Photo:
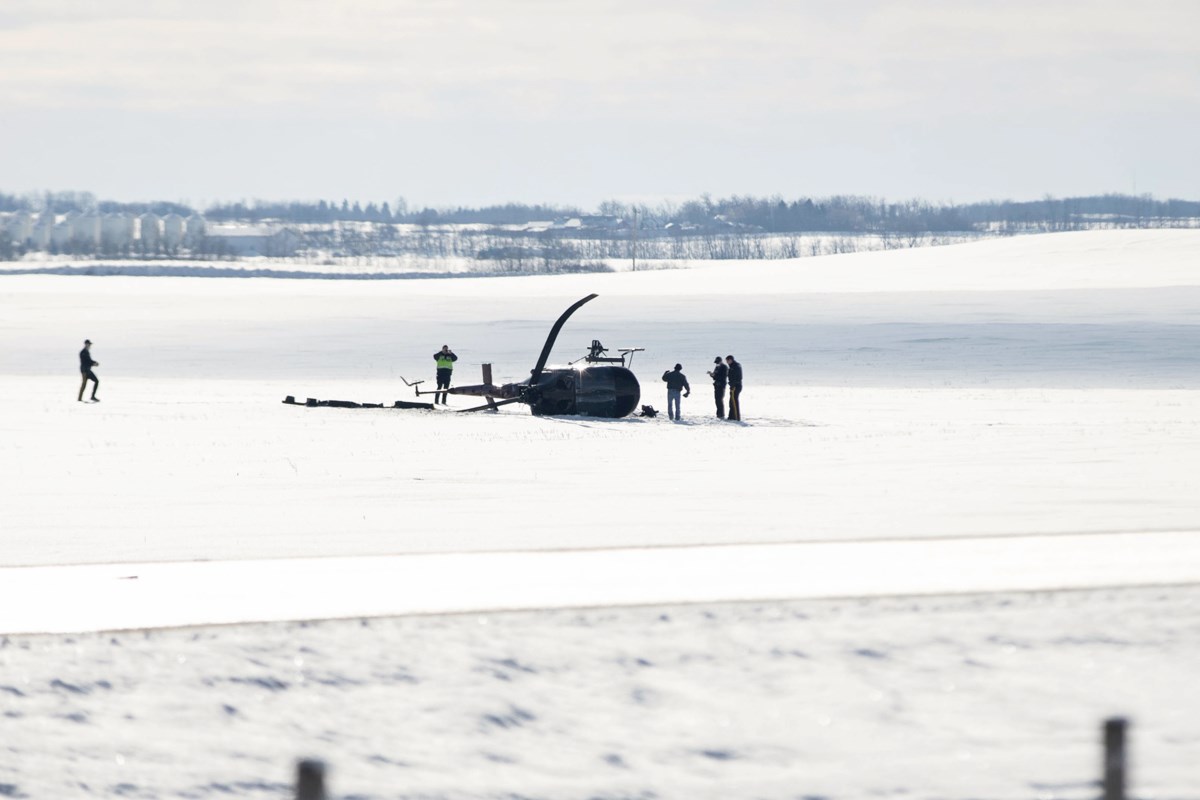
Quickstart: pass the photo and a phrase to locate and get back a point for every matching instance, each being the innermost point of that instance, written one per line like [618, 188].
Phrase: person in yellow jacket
[445, 359]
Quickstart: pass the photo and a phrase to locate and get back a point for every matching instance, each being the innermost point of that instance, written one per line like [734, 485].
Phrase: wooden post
[310, 780]
[1115, 761]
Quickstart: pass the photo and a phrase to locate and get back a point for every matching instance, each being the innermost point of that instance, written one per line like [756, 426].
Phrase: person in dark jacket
[445, 368]
[718, 374]
[676, 382]
[735, 388]
[85, 368]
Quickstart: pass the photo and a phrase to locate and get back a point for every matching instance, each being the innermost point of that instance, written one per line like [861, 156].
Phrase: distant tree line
[346, 211]
[841, 213]
[159, 207]
[852, 214]
[86, 202]
[300, 212]
[1081, 212]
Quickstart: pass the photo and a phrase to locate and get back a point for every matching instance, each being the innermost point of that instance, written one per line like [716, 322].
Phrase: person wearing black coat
[676, 382]
[85, 368]
[735, 388]
[718, 375]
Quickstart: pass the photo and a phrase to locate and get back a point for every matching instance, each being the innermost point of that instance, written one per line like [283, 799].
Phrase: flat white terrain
[1010, 415]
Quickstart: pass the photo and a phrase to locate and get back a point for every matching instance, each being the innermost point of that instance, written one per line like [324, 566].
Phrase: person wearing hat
[445, 359]
[718, 374]
[735, 388]
[676, 382]
[85, 368]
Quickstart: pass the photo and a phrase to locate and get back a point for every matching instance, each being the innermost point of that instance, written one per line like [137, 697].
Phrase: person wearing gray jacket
[677, 382]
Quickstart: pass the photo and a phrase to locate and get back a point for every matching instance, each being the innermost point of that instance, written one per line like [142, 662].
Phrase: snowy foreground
[993, 696]
[957, 528]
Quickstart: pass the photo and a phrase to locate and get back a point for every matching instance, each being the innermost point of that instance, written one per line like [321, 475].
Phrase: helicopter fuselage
[592, 390]
[604, 390]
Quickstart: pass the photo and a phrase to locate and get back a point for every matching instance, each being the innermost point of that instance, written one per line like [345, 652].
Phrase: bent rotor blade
[541, 363]
[491, 406]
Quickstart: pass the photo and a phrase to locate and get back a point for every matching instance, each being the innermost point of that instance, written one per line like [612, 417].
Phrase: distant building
[173, 228]
[85, 231]
[61, 235]
[591, 222]
[116, 232]
[194, 231]
[43, 232]
[252, 240]
[19, 227]
[148, 232]
[606, 221]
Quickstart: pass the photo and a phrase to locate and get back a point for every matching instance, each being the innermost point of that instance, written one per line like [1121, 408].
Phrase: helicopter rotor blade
[489, 406]
[541, 362]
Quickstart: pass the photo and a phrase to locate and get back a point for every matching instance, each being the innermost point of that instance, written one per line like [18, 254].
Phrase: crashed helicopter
[596, 385]
[600, 386]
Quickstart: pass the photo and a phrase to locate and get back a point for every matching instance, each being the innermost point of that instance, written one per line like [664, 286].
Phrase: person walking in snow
[735, 388]
[718, 374]
[445, 368]
[85, 368]
[676, 382]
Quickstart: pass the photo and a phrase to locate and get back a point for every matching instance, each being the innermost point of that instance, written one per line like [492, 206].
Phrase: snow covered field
[995, 696]
[1026, 398]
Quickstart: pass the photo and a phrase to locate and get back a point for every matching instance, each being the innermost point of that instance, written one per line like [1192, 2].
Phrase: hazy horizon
[472, 103]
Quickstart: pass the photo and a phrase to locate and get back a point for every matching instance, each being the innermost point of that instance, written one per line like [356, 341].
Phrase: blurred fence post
[310, 780]
[1115, 758]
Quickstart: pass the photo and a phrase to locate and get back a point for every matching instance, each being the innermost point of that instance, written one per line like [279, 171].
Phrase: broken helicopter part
[312, 402]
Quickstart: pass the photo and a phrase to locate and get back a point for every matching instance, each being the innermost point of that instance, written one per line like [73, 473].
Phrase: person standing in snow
[718, 374]
[85, 368]
[735, 388]
[445, 368]
[676, 382]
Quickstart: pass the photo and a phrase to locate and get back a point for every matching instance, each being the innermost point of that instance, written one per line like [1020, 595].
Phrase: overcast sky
[576, 101]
